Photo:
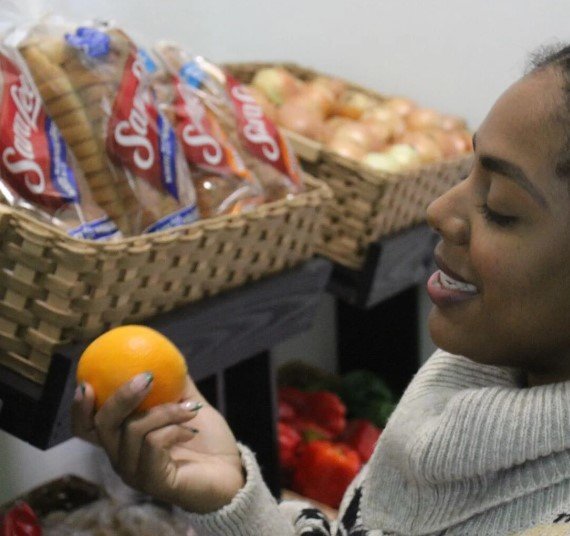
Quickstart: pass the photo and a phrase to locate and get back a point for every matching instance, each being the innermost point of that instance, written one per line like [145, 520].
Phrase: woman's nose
[447, 215]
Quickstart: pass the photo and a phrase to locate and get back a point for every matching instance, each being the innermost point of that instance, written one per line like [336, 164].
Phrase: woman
[480, 442]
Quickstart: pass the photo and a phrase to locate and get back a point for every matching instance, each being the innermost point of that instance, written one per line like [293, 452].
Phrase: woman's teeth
[449, 283]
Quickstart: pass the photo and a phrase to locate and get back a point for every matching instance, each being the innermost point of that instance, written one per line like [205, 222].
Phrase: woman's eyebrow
[513, 172]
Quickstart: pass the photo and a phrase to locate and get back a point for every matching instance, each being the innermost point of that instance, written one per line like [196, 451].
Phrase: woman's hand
[173, 452]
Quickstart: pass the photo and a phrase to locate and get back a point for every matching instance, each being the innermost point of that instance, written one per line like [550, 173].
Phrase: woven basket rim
[313, 187]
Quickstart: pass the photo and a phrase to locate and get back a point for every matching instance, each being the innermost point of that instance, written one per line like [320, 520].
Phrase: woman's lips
[443, 289]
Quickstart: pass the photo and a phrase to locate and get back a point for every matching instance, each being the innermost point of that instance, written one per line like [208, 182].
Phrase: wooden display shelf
[226, 340]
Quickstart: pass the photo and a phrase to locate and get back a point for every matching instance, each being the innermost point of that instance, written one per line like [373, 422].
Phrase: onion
[382, 162]
[387, 116]
[276, 83]
[318, 96]
[423, 119]
[445, 142]
[424, 144]
[346, 148]
[353, 105]
[404, 154]
[269, 109]
[381, 113]
[452, 122]
[463, 141]
[301, 119]
[331, 125]
[380, 134]
[338, 87]
[354, 132]
[401, 105]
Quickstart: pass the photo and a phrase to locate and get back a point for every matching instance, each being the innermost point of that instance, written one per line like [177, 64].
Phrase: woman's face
[502, 294]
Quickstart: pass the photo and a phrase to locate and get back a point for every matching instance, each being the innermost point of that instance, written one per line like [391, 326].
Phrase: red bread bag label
[139, 137]
[33, 154]
[205, 143]
[259, 134]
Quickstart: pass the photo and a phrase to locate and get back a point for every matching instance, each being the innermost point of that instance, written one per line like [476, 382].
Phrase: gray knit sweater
[468, 451]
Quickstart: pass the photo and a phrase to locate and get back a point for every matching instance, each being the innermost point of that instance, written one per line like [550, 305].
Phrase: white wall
[454, 56]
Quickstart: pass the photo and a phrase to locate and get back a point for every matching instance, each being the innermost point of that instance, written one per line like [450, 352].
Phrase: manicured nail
[141, 382]
[190, 405]
[79, 392]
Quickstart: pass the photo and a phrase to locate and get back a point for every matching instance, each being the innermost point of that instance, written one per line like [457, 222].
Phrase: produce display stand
[392, 264]
[377, 307]
[226, 340]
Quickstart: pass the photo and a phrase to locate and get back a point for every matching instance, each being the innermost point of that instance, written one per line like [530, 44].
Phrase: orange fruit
[121, 353]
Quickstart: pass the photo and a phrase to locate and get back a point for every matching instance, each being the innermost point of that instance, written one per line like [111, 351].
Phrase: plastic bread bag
[266, 151]
[106, 517]
[224, 185]
[120, 511]
[37, 174]
[96, 88]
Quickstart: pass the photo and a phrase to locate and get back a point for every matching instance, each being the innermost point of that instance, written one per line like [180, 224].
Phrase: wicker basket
[55, 290]
[367, 204]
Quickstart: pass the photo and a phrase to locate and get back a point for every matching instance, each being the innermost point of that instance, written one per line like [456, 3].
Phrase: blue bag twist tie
[93, 42]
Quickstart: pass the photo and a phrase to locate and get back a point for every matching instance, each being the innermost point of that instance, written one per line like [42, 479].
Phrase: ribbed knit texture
[468, 452]
[469, 448]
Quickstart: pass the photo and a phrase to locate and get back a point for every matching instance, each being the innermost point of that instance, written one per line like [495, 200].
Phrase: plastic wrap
[96, 88]
[265, 150]
[37, 173]
[224, 185]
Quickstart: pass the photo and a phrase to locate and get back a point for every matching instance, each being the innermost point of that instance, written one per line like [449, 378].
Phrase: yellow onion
[302, 119]
[354, 132]
[331, 125]
[317, 95]
[401, 105]
[269, 109]
[346, 148]
[424, 144]
[381, 134]
[382, 161]
[276, 83]
[423, 119]
[337, 86]
[387, 116]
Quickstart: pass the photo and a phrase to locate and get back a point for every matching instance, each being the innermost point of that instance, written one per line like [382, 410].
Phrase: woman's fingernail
[190, 405]
[141, 382]
[79, 392]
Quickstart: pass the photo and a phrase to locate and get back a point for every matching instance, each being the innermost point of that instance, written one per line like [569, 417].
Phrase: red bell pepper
[289, 439]
[328, 410]
[294, 397]
[324, 408]
[20, 520]
[309, 430]
[286, 411]
[361, 435]
[324, 471]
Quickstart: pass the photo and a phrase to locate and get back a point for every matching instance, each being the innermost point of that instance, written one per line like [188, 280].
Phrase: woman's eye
[502, 220]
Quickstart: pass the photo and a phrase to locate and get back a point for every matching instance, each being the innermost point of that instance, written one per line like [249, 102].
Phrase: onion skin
[269, 109]
[401, 105]
[301, 119]
[276, 83]
[424, 144]
[423, 119]
[347, 149]
[317, 95]
[356, 133]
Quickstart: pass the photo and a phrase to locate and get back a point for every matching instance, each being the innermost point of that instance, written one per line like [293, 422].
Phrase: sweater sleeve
[254, 511]
[472, 411]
